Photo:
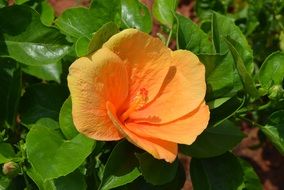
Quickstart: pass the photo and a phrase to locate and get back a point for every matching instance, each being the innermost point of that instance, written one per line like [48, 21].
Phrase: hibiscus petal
[146, 59]
[91, 84]
[183, 131]
[183, 90]
[160, 149]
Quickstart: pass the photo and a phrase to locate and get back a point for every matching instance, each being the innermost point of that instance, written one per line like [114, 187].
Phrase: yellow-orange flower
[136, 88]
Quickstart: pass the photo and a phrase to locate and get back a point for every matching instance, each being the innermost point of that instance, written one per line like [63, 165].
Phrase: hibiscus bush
[115, 95]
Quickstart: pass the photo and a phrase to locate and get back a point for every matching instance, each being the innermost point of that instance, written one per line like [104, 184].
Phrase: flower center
[138, 102]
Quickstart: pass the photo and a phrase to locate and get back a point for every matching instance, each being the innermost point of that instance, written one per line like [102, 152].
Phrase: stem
[250, 121]
[169, 37]
[262, 107]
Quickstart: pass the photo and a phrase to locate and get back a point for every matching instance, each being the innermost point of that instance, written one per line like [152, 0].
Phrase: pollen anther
[138, 102]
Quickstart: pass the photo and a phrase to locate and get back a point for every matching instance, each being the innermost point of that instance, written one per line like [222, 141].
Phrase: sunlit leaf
[163, 11]
[191, 37]
[66, 121]
[52, 156]
[19, 40]
[120, 171]
[136, 15]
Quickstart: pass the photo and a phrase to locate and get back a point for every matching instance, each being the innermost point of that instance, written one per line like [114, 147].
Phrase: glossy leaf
[102, 35]
[49, 72]
[216, 173]
[19, 40]
[152, 169]
[88, 23]
[109, 10]
[214, 141]
[58, 157]
[274, 130]
[245, 76]
[223, 27]
[272, 70]
[101, 12]
[163, 11]
[136, 15]
[10, 85]
[6, 152]
[66, 121]
[85, 46]
[219, 75]
[191, 37]
[41, 100]
[121, 167]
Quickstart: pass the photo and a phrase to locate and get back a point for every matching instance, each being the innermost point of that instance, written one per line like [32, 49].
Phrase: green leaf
[3, 3]
[274, 130]
[226, 110]
[46, 13]
[66, 121]
[224, 26]
[191, 37]
[163, 11]
[102, 35]
[222, 172]
[49, 72]
[217, 102]
[136, 15]
[152, 169]
[83, 22]
[70, 24]
[245, 76]
[73, 181]
[109, 10]
[272, 70]
[5, 181]
[121, 167]
[251, 180]
[10, 85]
[219, 75]
[41, 100]
[24, 38]
[85, 46]
[6, 152]
[19, 2]
[39, 181]
[214, 141]
[52, 156]
[176, 184]
[81, 46]
[204, 8]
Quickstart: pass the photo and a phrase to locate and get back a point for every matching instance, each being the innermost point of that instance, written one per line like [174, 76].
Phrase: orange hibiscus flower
[136, 88]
